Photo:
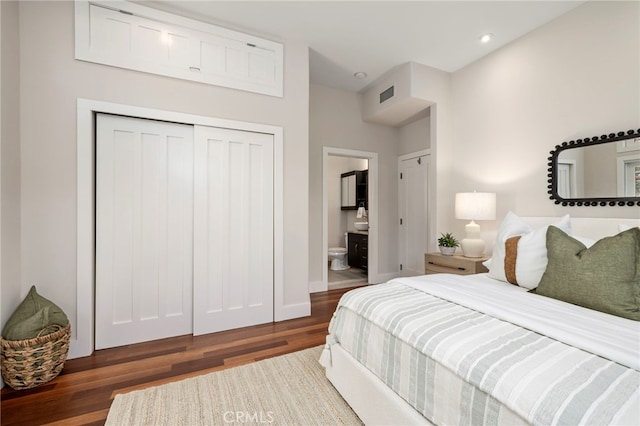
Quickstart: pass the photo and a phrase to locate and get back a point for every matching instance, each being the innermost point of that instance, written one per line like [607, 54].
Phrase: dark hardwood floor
[83, 392]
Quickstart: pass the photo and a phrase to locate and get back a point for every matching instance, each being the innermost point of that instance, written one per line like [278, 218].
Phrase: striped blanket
[456, 365]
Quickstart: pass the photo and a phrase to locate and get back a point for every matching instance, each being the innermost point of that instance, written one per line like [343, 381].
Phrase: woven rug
[286, 390]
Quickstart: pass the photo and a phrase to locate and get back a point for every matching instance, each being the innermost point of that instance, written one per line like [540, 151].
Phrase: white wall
[336, 121]
[435, 86]
[10, 290]
[339, 221]
[415, 136]
[51, 81]
[575, 77]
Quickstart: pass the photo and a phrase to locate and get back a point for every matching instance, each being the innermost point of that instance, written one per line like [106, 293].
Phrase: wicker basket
[33, 362]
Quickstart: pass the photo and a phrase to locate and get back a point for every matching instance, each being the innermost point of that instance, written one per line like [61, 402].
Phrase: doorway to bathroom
[349, 218]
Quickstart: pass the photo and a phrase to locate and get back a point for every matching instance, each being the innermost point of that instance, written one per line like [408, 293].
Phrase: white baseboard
[347, 284]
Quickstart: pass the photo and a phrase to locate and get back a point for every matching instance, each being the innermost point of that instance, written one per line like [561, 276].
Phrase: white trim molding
[626, 171]
[411, 155]
[316, 287]
[83, 343]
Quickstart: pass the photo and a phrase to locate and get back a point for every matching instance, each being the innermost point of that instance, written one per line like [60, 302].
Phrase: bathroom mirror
[596, 171]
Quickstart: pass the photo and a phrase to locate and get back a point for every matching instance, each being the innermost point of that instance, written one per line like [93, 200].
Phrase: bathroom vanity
[358, 249]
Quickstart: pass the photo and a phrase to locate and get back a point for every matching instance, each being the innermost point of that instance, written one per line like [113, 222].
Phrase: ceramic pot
[447, 251]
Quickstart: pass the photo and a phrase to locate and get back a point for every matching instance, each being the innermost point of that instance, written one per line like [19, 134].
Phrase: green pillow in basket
[35, 316]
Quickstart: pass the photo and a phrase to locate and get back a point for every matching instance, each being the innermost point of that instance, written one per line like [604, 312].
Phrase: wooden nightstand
[435, 263]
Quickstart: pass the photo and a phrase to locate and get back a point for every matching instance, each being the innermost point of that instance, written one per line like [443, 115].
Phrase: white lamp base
[472, 245]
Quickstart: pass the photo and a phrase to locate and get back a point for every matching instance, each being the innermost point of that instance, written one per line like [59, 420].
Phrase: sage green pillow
[604, 277]
[34, 315]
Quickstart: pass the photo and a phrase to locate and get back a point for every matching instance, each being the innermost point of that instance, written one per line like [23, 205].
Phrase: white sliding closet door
[144, 230]
[233, 223]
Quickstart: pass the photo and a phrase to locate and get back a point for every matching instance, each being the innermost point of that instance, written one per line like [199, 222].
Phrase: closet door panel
[216, 214]
[233, 264]
[237, 236]
[119, 214]
[258, 199]
[179, 238]
[144, 230]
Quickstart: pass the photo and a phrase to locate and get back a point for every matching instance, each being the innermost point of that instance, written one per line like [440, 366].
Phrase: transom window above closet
[131, 36]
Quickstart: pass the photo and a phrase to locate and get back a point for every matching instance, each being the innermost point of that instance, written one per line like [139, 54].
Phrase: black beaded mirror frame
[553, 172]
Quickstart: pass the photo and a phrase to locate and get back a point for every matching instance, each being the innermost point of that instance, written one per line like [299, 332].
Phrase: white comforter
[611, 337]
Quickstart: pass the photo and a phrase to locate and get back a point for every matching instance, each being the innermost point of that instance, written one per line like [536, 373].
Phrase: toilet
[338, 256]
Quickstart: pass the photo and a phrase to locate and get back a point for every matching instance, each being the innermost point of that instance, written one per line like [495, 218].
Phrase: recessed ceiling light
[486, 38]
[360, 75]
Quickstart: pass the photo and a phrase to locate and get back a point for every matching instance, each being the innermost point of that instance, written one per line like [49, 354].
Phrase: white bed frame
[373, 401]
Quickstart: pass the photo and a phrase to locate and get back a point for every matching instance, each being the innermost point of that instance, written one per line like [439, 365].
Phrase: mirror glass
[601, 170]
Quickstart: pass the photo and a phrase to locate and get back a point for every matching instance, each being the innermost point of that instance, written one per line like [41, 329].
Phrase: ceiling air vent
[398, 96]
[387, 94]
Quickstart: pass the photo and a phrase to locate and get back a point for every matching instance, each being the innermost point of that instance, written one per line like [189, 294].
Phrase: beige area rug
[286, 390]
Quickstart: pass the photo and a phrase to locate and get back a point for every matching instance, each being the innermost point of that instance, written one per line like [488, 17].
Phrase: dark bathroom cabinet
[354, 190]
[358, 250]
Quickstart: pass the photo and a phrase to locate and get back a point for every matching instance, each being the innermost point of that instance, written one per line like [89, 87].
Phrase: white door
[233, 224]
[414, 211]
[144, 230]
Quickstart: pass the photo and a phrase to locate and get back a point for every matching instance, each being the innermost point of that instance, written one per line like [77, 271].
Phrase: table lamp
[474, 206]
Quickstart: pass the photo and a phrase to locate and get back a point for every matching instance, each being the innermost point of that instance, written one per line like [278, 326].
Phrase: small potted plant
[447, 244]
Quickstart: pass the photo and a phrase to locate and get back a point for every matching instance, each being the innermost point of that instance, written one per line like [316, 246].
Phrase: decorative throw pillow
[520, 253]
[34, 315]
[604, 277]
[511, 225]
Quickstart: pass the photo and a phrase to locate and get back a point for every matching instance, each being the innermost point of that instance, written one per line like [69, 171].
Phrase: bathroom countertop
[355, 231]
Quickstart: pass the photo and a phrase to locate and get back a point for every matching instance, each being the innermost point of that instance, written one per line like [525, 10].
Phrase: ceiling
[375, 36]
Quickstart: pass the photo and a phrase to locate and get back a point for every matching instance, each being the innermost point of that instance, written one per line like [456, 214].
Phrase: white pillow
[511, 225]
[531, 259]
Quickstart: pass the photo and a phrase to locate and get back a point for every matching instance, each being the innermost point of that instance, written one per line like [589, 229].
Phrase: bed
[449, 349]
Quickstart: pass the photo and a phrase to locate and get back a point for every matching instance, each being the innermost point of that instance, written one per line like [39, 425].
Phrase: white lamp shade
[475, 205]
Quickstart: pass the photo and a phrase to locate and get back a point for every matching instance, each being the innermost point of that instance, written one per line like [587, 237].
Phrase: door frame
[573, 177]
[82, 344]
[430, 193]
[372, 193]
